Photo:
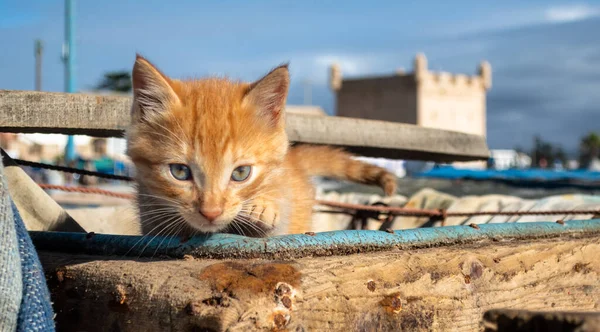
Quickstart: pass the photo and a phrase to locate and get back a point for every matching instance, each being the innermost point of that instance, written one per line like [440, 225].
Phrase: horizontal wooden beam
[108, 116]
[430, 289]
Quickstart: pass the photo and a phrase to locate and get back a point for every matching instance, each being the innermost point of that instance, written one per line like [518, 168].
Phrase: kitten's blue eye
[180, 171]
[241, 173]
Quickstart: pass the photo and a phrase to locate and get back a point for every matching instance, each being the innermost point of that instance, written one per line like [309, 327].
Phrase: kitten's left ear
[152, 90]
[269, 94]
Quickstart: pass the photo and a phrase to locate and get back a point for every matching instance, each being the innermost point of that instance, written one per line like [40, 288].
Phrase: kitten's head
[203, 149]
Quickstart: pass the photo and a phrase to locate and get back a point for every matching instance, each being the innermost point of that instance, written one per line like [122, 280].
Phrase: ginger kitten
[212, 155]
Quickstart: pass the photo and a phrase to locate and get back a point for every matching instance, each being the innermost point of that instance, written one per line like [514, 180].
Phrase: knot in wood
[392, 303]
[371, 285]
[287, 302]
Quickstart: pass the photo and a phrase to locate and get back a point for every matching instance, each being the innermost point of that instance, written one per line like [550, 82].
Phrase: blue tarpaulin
[517, 176]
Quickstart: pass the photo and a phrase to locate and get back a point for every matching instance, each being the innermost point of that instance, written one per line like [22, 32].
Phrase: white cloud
[570, 13]
[315, 66]
[518, 18]
[352, 65]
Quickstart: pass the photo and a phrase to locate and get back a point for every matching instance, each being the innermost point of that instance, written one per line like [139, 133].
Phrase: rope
[86, 190]
[395, 211]
[72, 170]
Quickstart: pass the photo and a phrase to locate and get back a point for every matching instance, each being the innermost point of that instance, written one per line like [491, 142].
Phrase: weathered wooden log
[97, 115]
[442, 288]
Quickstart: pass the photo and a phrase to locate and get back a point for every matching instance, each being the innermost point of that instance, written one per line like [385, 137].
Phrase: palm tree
[118, 81]
[543, 153]
[589, 149]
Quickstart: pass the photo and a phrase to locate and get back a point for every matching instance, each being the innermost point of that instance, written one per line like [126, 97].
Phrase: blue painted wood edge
[300, 245]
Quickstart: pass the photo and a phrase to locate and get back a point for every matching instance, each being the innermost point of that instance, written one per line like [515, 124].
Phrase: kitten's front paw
[265, 211]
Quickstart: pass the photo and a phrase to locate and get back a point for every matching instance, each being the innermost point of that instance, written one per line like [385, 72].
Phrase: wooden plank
[108, 116]
[432, 289]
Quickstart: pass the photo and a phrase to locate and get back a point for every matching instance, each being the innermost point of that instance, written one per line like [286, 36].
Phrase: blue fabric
[24, 297]
[448, 172]
[11, 282]
[36, 312]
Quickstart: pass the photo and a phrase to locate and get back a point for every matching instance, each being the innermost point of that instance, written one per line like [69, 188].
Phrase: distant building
[437, 100]
[441, 100]
[505, 159]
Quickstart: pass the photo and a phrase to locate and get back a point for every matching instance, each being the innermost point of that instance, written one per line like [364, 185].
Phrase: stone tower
[438, 100]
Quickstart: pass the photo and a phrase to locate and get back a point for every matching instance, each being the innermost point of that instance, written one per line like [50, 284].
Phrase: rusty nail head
[287, 302]
[371, 285]
[310, 233]
[474, 225]
[560, 221]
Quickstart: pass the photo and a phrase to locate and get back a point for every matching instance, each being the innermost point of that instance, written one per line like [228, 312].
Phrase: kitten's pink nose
[211, 214]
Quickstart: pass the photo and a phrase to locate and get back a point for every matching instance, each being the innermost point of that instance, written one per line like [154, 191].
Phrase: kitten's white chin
[210, 228]
[205, 226]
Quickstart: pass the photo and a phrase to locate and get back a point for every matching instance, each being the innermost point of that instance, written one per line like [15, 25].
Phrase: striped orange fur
[212, 155]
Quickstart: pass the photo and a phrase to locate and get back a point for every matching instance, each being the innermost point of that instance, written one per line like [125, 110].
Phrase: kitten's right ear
[152, 91]
[269, 94]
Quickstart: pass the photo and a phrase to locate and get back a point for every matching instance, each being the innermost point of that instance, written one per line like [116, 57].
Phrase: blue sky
[545, 55]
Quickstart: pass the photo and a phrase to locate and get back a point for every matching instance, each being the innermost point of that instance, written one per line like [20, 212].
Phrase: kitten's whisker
[180, 221]
[175, 233]
[148, 233]
[149, 214]
[172, 227]
[164, 198]
[259, 231]
[152, 217]
[183, 225]
[157, 234]
[251, 221]
[237, 227]
[239, 224]
[160, 197]
[157, 204]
